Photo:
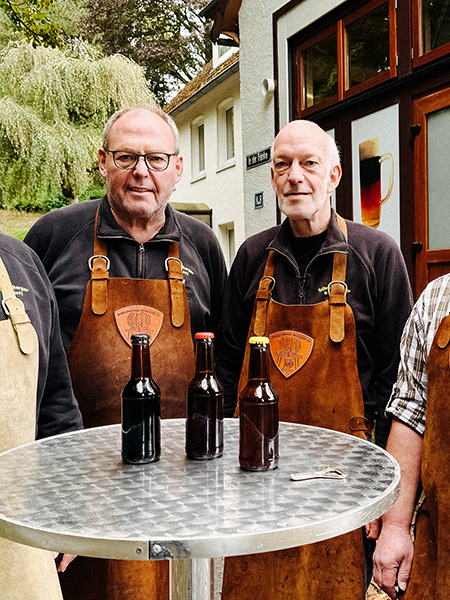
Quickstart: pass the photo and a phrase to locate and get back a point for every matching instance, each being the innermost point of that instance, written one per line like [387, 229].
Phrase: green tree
[52, 113]
[166, 37]
[31, 17]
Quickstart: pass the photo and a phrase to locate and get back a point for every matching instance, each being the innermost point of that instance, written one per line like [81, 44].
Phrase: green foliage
[165, 37]
[52, 113]
[31, 18]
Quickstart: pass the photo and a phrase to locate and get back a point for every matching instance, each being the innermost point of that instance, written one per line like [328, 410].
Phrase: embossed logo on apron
[138, 319]
[290, 350]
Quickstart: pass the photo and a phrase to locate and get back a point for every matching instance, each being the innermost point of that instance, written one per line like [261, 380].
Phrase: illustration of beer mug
[370, 180]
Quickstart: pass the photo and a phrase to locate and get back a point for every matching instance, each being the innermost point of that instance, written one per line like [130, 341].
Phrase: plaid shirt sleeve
[409, 395]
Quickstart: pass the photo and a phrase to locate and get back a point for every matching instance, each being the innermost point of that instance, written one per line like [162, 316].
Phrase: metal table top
[71, 493]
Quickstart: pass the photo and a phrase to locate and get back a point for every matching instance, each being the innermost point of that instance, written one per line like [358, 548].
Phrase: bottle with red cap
[204, 398]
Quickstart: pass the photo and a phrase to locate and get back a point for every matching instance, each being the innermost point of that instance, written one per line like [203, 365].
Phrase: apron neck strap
[99, 265]
[337, 292]
[15, 310]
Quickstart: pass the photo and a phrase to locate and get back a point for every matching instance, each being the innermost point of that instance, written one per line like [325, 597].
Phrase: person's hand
[392, 559]
[62, 561]
[372, 529]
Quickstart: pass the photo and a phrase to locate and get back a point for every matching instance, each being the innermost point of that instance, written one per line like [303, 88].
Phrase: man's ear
[179, 168]
[102, 161]
[272, 181]
[335, 177]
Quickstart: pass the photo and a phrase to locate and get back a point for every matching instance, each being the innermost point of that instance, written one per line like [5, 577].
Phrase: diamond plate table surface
[71, 493]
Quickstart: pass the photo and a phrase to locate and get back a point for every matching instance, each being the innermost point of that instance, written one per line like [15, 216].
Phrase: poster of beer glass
[375, 162]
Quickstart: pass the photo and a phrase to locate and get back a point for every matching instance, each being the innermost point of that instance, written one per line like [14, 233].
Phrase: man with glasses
[125, 264]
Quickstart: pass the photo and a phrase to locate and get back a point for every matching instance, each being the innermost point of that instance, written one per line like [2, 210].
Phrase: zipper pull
[301, 288]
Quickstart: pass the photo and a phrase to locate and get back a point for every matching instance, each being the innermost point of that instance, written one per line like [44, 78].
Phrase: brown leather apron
[314, 370]
[430, 573]
[100, 365]
[25, 572]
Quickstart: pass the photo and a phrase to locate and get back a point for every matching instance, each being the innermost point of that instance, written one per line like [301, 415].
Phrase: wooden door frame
[422, 107]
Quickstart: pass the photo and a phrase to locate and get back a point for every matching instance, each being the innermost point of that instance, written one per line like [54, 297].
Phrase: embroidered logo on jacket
[138, 319]
[290, 350]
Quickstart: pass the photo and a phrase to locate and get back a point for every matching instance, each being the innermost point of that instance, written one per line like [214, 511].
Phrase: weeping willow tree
[52, 112]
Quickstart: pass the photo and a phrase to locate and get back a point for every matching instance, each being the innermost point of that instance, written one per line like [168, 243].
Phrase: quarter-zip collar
[107, 226]
[334, 241]
[282, 244]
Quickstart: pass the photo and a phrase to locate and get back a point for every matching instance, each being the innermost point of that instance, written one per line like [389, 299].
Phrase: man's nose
[296, 172]
[141, 167]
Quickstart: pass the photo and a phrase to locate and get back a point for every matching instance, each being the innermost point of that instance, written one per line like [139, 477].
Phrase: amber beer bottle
[258, 412]
[141, 408]
[204, 399]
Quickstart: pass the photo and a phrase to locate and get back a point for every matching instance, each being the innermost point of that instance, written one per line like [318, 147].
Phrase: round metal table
[72, 493]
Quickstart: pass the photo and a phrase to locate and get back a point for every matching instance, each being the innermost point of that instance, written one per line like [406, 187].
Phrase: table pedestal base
[195, 579]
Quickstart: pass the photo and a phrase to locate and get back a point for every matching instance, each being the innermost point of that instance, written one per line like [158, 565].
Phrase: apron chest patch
[138, 319]
[290, 350]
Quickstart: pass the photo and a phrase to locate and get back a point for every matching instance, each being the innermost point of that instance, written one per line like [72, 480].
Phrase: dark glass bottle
[141, 408]
[258, 413]
[204, 399]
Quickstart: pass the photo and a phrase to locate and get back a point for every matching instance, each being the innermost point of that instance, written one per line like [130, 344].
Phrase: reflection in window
[368, 46]
[225, 134]
[229, 128]
[201, 147]
[438, 133]
[320, 71]
[435, 24]
[198, 165]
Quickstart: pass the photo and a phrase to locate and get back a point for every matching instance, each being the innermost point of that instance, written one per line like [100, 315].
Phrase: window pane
[435, 24]
[368, 46]
[229, 127]
[438, 163]
[201, 147]
[320, 71]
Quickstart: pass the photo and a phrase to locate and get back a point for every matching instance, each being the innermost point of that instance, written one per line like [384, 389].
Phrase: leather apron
[314, 370]
[430, 573]
[100, 365]
[25, 572]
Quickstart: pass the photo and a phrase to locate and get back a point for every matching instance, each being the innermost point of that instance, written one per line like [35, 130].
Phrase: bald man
[332, 296]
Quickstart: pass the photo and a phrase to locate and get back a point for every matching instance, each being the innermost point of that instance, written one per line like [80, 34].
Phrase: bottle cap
[258, 340]
[203, 335]
[140, 338]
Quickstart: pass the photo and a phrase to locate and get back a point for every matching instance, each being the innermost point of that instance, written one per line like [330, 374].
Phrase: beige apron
[430, 573]
[100, 365]
[314, 370]
[25, 573]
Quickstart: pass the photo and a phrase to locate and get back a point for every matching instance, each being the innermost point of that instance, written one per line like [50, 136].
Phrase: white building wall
[258, 111]
[220, 189]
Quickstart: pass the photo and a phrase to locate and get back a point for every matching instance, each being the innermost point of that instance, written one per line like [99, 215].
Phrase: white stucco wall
[220, 189]
[258, 111]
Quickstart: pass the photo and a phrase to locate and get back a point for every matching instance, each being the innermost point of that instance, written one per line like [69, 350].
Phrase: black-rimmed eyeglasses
[127, 160]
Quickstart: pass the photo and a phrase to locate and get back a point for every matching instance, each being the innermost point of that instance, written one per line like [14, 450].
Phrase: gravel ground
[374, 593]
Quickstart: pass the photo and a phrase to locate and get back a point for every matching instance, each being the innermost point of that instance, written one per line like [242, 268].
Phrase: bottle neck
[140, 362]
[204, 357]
[258, 368]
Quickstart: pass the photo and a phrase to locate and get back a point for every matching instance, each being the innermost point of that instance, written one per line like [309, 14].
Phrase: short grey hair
[333, 155]
[153, 108]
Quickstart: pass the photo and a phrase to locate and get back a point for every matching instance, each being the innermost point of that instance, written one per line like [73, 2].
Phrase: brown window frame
[310, 43]
[339, 28]
[420, 57]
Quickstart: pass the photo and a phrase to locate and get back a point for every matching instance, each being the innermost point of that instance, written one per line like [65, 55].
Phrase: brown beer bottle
[141, 408]
[204, 399]
[258, 412]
